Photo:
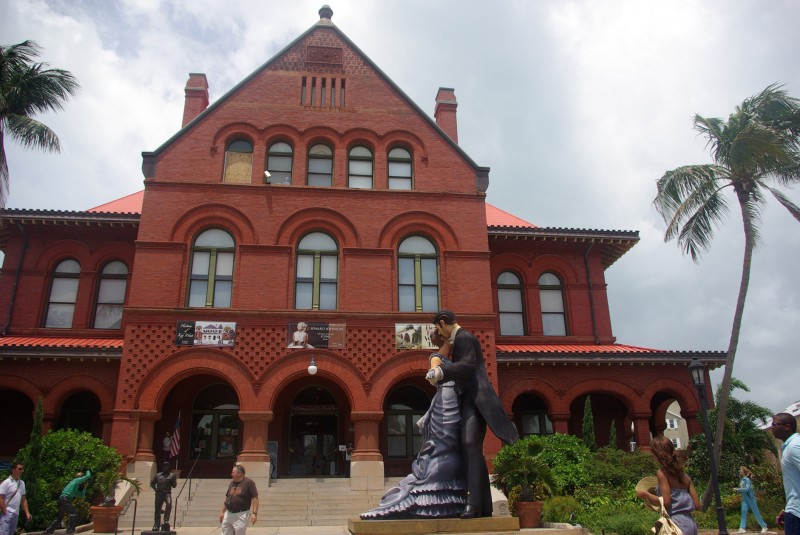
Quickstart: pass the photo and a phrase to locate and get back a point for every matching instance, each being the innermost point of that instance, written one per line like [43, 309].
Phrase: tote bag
[664, 525]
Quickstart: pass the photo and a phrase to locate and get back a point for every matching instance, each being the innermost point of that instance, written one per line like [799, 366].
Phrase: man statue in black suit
[479, 406]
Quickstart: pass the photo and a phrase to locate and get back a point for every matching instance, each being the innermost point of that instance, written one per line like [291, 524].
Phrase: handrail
[124, 511]
[187, 479]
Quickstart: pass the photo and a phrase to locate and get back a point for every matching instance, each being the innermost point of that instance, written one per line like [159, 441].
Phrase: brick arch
[322, 219]
[78, 383]
[159, 381]
[227, 133]
[209, 215]
[611, 387]
[686, 396]
[114, 251]
[528, 385]
[22, 385]
[330, 366]
[511, 262]
[64, 250]
[361, 136]
[394, 370]
[556, 264]
[418, 222]
[406, 139]
[320, 134]
[281, 132]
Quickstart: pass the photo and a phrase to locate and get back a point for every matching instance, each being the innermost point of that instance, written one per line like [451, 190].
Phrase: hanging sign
[206, 333]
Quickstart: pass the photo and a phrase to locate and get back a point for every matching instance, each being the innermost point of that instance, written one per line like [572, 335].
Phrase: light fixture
[267, 176]
[698, 372]
[312, 368]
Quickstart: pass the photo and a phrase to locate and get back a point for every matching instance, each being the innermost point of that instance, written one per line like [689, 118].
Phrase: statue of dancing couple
[449, 477]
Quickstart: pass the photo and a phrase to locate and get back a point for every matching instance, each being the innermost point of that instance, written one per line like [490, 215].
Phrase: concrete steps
[287, 502]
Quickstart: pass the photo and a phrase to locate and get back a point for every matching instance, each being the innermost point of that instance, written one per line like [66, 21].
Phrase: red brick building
[314, 205]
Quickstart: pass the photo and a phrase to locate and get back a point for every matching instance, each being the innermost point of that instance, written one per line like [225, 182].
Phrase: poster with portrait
[309, 335]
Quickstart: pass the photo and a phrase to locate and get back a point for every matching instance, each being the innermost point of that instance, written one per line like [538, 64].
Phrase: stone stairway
[287, 502]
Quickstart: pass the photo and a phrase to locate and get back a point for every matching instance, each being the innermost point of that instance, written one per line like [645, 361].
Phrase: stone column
[560, 422]
[366, 464]
[254, 456]
[144, 462]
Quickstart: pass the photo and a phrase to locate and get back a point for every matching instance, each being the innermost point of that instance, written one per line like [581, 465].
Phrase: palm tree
[26, 88]
[756, 149]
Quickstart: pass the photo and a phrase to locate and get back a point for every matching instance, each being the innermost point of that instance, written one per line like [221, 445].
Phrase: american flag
[175, 447]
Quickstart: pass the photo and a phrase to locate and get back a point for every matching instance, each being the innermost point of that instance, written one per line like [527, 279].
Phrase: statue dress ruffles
[435, 488]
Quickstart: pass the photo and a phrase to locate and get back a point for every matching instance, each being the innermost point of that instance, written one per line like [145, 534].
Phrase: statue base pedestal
[495, 524]
[150, 532]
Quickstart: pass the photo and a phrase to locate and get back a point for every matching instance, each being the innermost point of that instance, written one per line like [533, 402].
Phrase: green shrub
[565, 455]
[621, 518]
[560, 509]
[64, 453]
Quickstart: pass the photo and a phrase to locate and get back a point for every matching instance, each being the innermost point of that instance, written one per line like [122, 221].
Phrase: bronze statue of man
[163, 483]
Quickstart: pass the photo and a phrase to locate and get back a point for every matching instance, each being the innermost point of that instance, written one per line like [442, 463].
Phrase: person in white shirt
[12, 498]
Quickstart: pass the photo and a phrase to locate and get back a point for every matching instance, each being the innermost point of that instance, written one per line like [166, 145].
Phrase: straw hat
[648, 483]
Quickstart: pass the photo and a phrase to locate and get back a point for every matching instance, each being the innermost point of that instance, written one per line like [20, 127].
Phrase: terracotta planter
[529, 513]
[105, 518]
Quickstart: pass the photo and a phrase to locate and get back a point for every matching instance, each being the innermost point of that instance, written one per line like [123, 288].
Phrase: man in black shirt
[241, 503]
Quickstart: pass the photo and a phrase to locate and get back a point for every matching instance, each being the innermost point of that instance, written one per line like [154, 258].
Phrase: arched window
[417, 275]
[404, 406]
[400, 170]
[211, 275]
[111, 296]
[359, 168]
[238, 162]
[533, 414]
[320, 166]
[317, 272]
[509, 301]
[63, 294]
[551, 297]
[279, 163]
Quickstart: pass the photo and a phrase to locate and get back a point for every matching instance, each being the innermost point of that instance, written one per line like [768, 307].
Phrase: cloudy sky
[578, 107]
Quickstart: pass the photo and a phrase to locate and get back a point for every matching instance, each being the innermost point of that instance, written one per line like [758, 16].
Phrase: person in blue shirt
[749, 500]
[784, 427]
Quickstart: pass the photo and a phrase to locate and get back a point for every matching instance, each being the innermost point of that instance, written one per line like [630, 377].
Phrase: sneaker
[766, 530]
[742, 530]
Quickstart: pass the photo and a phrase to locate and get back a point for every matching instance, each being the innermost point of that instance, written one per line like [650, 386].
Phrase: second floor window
[317, 273]
[417, 275]
[279, 163]
[238, 162]
[63, 294]
[509, 302]
[211, 277]
[111, 296]
[551, 297]
[320, 166]
[400, 176]
[359, 168]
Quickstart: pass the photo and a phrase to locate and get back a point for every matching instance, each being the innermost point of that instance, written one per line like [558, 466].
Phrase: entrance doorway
[314, 434]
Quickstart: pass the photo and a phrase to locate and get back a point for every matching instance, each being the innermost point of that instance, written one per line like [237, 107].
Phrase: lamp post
[312, 368]
[698, 372]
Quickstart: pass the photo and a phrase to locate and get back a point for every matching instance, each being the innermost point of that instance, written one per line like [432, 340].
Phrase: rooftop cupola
[325, 14]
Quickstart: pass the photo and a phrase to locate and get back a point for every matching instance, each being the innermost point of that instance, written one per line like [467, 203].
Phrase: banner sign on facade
[311, 335]
[413, 336]
[206, 333]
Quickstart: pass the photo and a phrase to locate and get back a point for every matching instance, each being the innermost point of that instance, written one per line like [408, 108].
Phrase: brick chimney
[445, 113]
[196, 97]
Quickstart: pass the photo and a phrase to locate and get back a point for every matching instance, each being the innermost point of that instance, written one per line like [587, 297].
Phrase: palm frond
[32, 134]
[788, 204]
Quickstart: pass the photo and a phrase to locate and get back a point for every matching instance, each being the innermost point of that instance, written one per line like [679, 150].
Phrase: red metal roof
[569, 348]
[130, 204]
[42, 341]
[495, 217]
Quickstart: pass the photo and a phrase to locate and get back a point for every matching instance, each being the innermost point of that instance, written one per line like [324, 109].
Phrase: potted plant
[104, 516]
[526, 480]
